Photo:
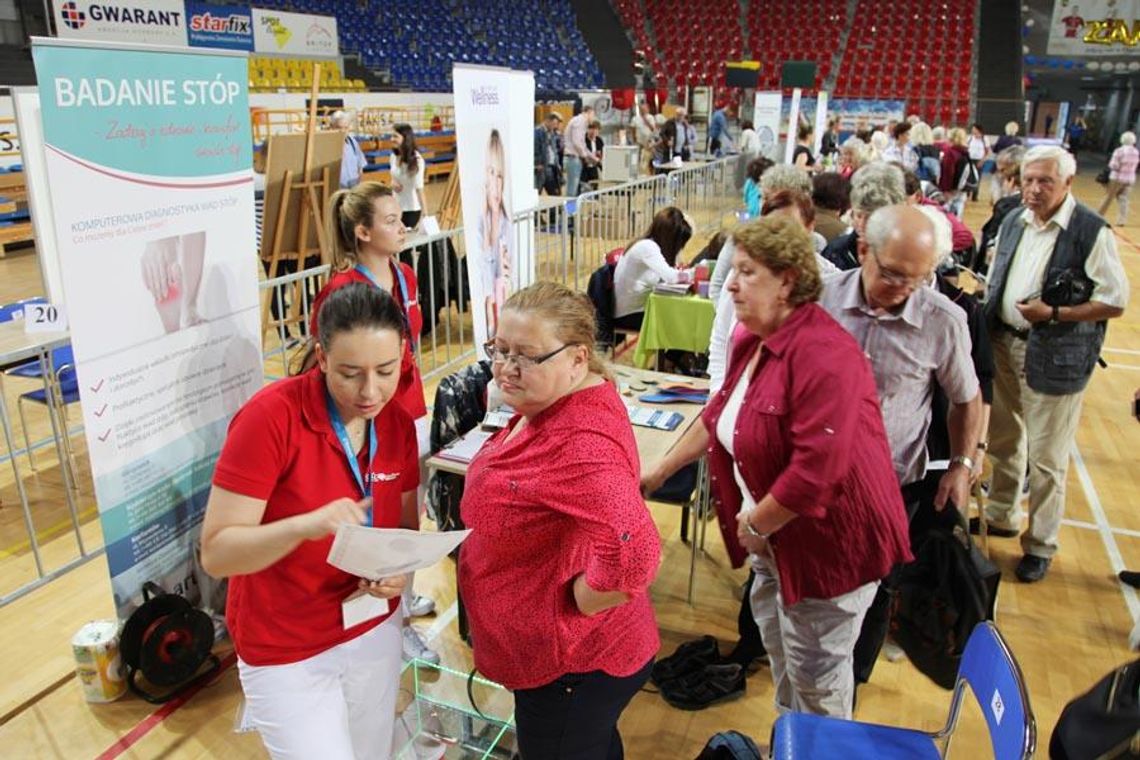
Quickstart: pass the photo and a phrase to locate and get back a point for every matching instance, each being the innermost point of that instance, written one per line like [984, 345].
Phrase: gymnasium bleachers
[880, 59]
[817, 26]
[689, 50]
[267, 74]
[417, 41]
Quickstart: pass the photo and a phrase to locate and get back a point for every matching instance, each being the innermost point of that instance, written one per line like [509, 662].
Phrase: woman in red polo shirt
[555, 574]
[801, 469]
[367, 230]
[302, 457]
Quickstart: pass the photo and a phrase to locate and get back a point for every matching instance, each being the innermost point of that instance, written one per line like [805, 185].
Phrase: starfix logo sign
[232, 24]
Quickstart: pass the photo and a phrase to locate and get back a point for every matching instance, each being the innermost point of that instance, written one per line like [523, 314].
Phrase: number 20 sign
[44, 317]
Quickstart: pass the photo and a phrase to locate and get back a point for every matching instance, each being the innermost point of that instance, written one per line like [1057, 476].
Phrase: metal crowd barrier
[569, 237]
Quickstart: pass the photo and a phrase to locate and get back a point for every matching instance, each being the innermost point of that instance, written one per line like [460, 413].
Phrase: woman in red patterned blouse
[801, 469]
[556, 574]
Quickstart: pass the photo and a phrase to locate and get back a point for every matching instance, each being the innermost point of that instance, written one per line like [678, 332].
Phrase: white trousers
[337, 705]
[811, 644]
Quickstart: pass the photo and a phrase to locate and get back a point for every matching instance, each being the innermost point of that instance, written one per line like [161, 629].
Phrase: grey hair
[784, 177]
[1128, 138]
[860, 151]
[876, 185]
[883, 222]
[938, 133]
[880, 141]
[338, 120]
[1011, 128]
[1061, 158]
[943, 235]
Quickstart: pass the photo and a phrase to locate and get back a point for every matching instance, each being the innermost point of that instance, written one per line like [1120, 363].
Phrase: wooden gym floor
[1066, 631]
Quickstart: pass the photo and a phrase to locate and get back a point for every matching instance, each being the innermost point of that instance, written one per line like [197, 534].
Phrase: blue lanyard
[402, 283]
[363, 480]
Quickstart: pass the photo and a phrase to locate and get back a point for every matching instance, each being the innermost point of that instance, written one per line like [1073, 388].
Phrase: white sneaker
[420, 606]
[416, 649]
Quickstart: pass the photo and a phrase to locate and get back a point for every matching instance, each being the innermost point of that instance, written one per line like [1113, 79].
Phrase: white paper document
[465, 449]
[375, 553]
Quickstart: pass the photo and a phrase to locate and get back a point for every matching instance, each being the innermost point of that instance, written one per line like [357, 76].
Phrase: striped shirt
[925, 342]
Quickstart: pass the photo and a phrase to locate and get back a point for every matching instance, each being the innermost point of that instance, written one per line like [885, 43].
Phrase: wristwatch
[965, 461]
[1056, 315]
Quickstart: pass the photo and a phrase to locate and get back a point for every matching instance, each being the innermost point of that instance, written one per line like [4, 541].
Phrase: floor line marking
[1106, 533]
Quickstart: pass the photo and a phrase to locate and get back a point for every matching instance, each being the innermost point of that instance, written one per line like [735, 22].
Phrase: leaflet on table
[375, 553]
[673, 289]
[465, 449]
[654, 418]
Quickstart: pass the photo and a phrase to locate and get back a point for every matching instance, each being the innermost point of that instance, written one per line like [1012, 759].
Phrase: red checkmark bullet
[99, 412]
[95, 388]
[105, 436]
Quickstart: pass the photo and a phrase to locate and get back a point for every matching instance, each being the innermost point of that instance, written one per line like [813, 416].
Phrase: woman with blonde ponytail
[367, 232]
[558, 521]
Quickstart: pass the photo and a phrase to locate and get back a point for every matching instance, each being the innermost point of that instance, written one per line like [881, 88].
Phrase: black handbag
[1104, 722]
[1102, 178]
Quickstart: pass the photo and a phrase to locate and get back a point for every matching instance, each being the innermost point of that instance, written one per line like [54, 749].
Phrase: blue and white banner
[853, 113]
[219, 26]
[152, 22]
[148, 155]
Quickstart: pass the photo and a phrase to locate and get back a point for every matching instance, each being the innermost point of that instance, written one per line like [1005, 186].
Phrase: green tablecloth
[677, 322]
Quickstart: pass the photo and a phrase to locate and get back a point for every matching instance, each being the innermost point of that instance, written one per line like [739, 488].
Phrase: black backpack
[1104, 722]
[968, 176]
[939, 598]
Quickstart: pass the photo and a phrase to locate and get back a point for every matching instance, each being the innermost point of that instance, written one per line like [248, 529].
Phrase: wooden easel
[450, 212]
[314, 196]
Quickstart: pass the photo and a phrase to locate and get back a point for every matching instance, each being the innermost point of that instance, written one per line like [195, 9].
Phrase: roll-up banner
[494, 126]
[148, 155]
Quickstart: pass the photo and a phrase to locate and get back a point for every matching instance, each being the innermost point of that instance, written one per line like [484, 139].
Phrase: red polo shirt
[810, 432]
[410, 392]
[281, 448]
[560, 499]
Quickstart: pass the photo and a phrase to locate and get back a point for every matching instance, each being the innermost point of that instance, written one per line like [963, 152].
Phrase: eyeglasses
[898, 279]
[522, 361]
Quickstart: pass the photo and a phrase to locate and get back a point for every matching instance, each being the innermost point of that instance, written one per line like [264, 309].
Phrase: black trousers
[630, 321]
[575, 717]
[750, 645]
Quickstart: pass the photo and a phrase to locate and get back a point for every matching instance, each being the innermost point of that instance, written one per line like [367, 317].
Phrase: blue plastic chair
[992, 673]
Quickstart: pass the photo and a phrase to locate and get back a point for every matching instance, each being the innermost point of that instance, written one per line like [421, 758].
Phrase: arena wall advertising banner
[148, 155]
[1095, 28]
[281, 33]
[494, 127]
[219, 26]
[151, 22]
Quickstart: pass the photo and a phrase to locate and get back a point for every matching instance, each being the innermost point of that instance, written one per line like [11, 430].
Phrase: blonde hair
[920, 134]
[781, 243]
[347, 210]
[958, 137]
[570, 315]
[1128, 138]
[1011, 128]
